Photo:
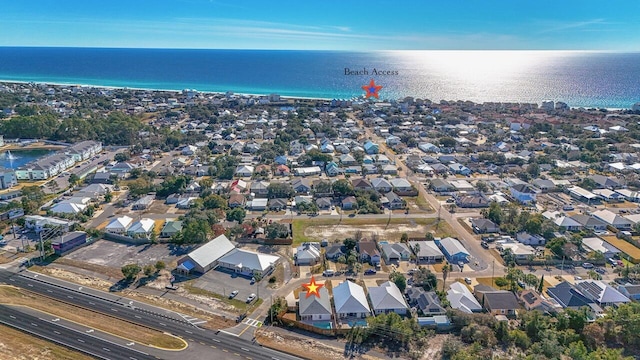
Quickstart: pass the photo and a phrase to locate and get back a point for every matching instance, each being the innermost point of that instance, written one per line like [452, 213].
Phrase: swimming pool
[354, 323]
[322, 324]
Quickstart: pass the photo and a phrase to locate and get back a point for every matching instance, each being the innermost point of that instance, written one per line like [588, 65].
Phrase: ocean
[587, 79]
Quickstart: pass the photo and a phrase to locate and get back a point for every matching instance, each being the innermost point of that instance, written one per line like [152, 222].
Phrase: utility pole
[562, 266]
[271, 312]
[41, 247]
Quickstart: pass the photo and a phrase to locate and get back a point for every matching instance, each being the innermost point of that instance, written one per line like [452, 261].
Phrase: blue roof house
[281, 160]
[453, 250]
[370, 147]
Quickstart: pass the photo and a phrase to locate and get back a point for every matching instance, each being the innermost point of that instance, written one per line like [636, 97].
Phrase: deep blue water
[578, 78]
[20, 157]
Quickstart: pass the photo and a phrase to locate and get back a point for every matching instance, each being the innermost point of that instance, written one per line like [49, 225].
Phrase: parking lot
[223, 283]
[113, 254]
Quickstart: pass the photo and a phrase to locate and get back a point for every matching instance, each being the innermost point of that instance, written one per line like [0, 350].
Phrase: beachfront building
[45, 167]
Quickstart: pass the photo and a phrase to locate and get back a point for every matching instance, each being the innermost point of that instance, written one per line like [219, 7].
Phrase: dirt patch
[309, 348]
[76, 278]
[15, 345]
[435, 347]
[392, 232]
[14, 296]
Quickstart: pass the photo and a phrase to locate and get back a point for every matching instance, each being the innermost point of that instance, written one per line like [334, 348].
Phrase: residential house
[237, 200]
[484, 226]
[631, 291]
[453, 250]
[277, 204]
[401, 185]
[361, 184]
[544, 185]
[333, 252]
[531, 300]
[141, 228]
[598, 245]
[458, 168]
[315, 308]
[308, 254]
[302, 186]
[462, 299]
[601, 293]
[497, 302]
[244, 170]
[613, 219]
[258, 204]
[260, 189]
[67, 207]
[350, 301]
[395, 252]
[282, 170]
[170, 228]
[590, 222]
[427, 302]
[393, 201]
[426, 251]
[308, 171]
[349, 203]
[143, 203]
[523, 193]
[528, 239]
[567, 223]
[381, 185]
[518, 250]
[568, 296]
[368, 252]
[607, 182]
[119, 225]
[323, 203]
[387, 298]
[440, 185]
[370, 147]
[472, 201]
[332, 169]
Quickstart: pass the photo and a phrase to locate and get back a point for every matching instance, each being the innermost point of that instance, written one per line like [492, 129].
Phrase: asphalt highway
[71, 338]
[219, 342]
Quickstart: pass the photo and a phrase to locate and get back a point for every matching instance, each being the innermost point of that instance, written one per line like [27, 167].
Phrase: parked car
[251, 298]
[587, 265]
[467, 280]
[370, 272]
[484, 244]
[233, 294]
[451, 200]
[601, 270]
[328, 273]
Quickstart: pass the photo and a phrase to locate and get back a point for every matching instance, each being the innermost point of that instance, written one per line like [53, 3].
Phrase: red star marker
[372, 89]
[313, 288]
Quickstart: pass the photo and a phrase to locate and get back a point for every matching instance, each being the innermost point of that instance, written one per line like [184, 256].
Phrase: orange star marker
[312, 287]
[372, 89]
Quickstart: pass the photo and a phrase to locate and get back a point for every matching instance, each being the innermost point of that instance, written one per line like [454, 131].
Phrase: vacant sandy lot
[392, 232]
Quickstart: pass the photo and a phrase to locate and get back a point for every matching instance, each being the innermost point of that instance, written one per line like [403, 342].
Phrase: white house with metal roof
[387, 298]
[599, 245]
[350, 300]
[119, 225]
[206, 256]
[462, 299]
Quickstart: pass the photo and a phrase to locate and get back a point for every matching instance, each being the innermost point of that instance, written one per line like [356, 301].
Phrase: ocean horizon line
[612, 51]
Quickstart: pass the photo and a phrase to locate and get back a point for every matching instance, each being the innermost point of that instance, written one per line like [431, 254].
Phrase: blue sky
[328, 24]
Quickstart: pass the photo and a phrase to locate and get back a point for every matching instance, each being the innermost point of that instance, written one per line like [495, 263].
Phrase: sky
[325, 25]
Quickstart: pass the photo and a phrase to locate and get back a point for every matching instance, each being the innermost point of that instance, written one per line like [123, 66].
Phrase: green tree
[160, 265]
[343, 187]
[108, 196]
[236, 214]
[73, 179]
[214, 201]
[349, 244]
[404, 237]
[130, 271]
[425, 279]
[501, 282]
[446, 269]
[398, 279]
[149, 270]
[276, 230]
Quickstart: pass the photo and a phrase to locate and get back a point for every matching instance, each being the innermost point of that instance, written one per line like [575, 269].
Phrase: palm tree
[446, 268]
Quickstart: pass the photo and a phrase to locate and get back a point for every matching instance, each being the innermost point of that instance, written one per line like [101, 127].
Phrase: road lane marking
[91, 303]
[137, 317]
[105, 349]
[188, 332]
[112, 309]
[90, 331]
[70, 297]
[163, 324]
[81, 340]
[225, 350]
[131, 344]
[11, 316]
[216, 340]
[30, 285]
[36, 325]
[213, 346]
[49, 291]
[56, 332]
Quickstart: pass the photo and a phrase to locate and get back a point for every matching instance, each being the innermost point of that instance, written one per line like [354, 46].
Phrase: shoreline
[36, 146]
[287, 97]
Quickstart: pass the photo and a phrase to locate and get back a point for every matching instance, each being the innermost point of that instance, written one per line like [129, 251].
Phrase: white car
[251, 298]
[467, 280]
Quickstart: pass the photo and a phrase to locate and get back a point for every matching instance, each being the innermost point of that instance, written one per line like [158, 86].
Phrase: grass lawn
[115, 326]
[423, 204]
[16, 345]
